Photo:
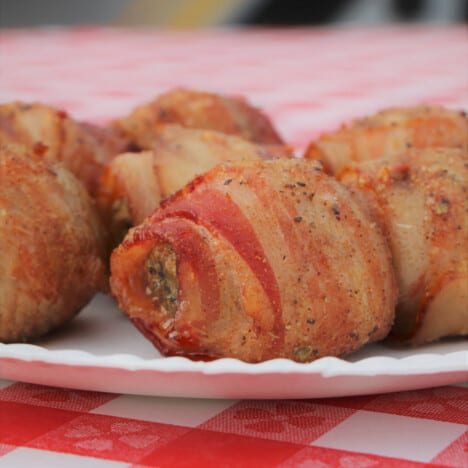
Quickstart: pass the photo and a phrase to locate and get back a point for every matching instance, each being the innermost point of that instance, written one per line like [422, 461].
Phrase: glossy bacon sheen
[134, 184]
[50, 246]
[390, 133]
[198, 109]
[421, 201]
[85, 149]
[274, 259]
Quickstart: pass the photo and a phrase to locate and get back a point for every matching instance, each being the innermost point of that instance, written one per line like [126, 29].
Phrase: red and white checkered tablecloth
[51, 427]
[307, 81]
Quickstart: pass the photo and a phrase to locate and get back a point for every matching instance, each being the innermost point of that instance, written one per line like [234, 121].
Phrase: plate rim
[424, 363]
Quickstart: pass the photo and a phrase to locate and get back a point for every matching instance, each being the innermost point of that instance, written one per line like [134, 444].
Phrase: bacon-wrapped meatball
[84, 148]
[257, 260]
[50, 246]
[198, 109]
[390, 133]
[420, 199]
[134, 184]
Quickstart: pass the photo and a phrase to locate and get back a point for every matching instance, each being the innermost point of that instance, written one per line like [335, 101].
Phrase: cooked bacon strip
[51, 250]
[85, 149]
[134, 184]
[198, 109]
[257, 260]
[420, 199]
[390, 133]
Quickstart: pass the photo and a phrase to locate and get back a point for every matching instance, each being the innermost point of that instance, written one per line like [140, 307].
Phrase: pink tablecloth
[307, 81]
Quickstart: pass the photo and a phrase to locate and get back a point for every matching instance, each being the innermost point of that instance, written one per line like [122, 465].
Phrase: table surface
[308, 81]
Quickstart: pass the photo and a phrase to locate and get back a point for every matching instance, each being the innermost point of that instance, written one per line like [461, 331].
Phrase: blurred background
[185, 14]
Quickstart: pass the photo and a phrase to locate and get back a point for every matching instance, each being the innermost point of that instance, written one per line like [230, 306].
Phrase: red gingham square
[20, 423]
[354, 402]
[321, 457]
[292, 421]
[440, 404]
[108, 437]
[61, 398]
[208, 449]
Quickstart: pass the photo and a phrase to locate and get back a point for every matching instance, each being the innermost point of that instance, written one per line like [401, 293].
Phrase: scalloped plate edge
[327, 366]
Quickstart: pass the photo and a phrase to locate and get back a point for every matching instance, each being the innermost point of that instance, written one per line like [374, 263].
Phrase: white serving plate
[101, 350]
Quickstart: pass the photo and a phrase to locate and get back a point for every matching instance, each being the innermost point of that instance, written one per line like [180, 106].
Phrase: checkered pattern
[46, 426]
[308, 81]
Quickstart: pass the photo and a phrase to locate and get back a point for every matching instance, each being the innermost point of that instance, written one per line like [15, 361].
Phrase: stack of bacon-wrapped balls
[219, 242]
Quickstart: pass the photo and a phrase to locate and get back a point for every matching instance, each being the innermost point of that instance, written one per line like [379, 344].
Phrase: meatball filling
[161, 277]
